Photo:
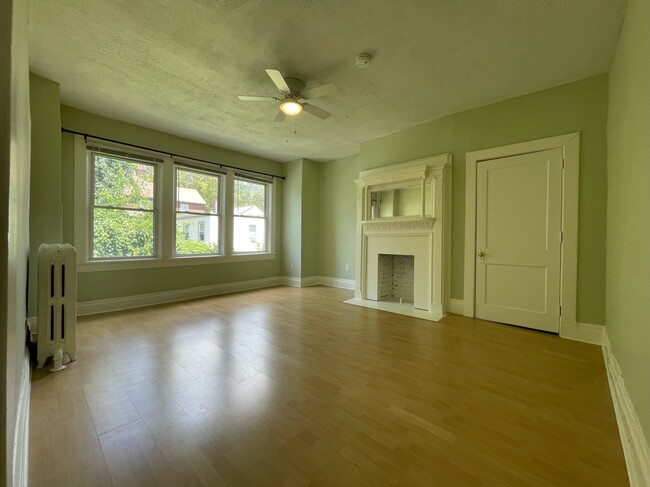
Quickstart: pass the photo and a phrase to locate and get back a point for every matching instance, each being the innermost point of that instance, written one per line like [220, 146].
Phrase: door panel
[518, 245]
[502, 287]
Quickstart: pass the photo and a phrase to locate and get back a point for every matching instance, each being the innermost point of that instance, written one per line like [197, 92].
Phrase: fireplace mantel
[422, 190]
[398, 225]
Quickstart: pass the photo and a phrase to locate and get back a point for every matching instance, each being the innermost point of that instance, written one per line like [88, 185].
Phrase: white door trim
[570, 145]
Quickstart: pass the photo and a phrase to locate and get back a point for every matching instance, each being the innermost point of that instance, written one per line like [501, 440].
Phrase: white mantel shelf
[425, 236]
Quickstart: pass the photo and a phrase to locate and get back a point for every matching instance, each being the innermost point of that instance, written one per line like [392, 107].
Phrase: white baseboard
[318, 280]
[635, 446]
[456, 306]
[290, 281]
[150, 299]
[21, 430]
[137, 301]
[336, 282]
[309, 281]
[582, 332]
[299, 281]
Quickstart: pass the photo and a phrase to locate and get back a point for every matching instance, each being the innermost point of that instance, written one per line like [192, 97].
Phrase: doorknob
[481, 253]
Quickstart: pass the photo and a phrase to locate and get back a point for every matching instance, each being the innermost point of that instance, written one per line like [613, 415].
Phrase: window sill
[120, 265]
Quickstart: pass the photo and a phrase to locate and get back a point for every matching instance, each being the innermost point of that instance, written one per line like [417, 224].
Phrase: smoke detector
[363, 60]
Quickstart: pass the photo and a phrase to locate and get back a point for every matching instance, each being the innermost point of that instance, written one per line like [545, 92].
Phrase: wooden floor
[291, 387]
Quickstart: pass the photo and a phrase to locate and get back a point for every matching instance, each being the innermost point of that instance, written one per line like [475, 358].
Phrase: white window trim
[166, 221]
[268, 212]
[220, 214]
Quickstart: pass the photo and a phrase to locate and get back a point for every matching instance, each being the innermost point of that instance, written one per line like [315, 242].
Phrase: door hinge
[561, 236]
[563, 163]
[560, 310]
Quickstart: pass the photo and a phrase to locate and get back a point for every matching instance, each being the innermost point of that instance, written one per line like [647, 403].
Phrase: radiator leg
[58, 361]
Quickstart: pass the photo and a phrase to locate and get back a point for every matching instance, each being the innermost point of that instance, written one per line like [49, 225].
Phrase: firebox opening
[396, 273]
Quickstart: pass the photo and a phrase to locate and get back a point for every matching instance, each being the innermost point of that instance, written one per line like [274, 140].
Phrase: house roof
[250, 210]
[183, 195]
[179, 66]
[189, 195]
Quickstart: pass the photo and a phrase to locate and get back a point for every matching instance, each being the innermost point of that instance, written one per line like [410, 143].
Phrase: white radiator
[57, 304]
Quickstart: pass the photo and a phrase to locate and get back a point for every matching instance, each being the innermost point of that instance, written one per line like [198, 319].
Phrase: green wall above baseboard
[575, 107]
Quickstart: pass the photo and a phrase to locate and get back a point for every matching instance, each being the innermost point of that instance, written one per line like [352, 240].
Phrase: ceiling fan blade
[257, 98]
[279, 81]
[323, 90]
[317, 112]
[280, 116]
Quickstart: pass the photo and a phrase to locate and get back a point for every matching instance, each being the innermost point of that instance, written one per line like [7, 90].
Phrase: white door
[518, 239]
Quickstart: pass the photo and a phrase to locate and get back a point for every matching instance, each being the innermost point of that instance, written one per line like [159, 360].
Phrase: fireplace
[395, 278]
[402, 247]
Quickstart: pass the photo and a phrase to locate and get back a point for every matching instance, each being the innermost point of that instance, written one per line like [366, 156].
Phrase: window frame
[221, 177]
[165, 217]
[268, 185]
[155, 209]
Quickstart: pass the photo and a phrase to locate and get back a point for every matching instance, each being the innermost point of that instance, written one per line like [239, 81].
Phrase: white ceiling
[178, 66]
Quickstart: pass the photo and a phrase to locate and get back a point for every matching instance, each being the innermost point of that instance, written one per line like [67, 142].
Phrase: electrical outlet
[347, 267]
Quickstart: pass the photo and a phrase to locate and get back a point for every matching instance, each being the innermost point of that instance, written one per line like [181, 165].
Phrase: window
[250, 217]
[146, 209]
[123, 207]
[197, 212]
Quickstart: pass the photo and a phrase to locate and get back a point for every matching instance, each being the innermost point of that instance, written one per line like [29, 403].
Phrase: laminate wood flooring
[292, 387]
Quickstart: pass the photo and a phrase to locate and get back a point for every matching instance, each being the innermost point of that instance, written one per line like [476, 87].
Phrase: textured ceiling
[178, 66]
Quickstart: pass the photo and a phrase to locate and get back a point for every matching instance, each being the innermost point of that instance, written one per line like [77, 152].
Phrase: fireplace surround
[404, 210]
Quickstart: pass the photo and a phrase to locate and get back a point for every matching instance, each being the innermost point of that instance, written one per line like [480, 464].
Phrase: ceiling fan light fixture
[291, 107]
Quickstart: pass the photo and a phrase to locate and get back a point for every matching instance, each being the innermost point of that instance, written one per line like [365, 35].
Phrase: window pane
[124, 184]
[196, 192]
[122, 233]
[250, 198]
[197, 234]
[249, 234]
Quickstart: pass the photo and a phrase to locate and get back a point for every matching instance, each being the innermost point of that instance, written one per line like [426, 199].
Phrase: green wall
[14, 228]
[338, 216]
[579, 106]
[628, 207]
[310, 218]
[56, 175]
[291, 218]
[45, 217]
[300, 219]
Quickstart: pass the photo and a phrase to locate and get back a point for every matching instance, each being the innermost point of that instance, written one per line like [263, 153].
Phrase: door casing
[570, 145]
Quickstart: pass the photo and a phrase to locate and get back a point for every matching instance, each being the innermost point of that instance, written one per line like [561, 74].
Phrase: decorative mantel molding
[388, 226]
[425, 234]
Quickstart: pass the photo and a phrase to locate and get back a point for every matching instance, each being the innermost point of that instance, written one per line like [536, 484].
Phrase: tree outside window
[123, 208]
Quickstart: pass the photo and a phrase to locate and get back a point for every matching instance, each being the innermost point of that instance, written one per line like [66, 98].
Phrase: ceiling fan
[294, 96]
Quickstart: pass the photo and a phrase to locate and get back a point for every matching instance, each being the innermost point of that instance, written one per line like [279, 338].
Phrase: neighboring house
[249, 229]
[198, 228]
